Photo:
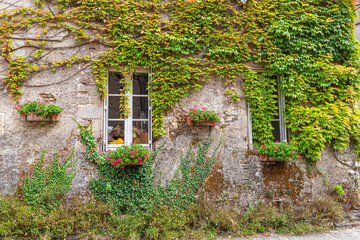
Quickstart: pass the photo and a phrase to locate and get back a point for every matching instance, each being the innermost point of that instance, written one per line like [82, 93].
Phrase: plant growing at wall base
[338, 189]
[280, 150]
[48, 184]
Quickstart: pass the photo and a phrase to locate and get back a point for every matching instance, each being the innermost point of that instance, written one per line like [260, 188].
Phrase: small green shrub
[339, 190]
[48, 185]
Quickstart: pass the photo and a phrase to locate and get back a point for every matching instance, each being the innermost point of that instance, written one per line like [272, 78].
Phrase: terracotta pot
[201, 123]
[32, 117]
[264, 158]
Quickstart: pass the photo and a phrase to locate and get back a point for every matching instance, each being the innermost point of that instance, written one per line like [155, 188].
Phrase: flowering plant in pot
[278, 151]
[37, 111]
[135, 154]
[207, 117]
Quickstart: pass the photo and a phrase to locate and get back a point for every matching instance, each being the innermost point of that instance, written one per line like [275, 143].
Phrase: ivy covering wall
[310, 44]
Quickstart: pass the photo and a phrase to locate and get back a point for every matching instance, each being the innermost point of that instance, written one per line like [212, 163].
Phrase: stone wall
[239, 178]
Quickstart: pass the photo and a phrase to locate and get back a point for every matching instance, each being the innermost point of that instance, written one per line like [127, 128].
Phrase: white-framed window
[119, 130]
[278, 122]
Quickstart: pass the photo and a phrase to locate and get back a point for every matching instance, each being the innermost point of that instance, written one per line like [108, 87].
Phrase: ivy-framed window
[278, 122]
[135, 127]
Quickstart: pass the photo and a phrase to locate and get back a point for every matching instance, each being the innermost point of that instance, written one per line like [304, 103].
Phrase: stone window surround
[128, 123]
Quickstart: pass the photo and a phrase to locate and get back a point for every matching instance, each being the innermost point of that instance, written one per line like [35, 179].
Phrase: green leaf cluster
[49, 184]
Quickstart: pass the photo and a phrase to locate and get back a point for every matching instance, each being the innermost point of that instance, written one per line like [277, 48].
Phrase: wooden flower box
[32, 117]
[201, 123]
[265, 158]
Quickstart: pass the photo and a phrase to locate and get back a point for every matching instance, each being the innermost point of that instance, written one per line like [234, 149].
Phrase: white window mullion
[128, 120]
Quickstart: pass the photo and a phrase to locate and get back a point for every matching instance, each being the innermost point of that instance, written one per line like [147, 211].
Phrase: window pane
[141, 132]
[114, 85]
[140, 108]
[276, 116]
[116, 133]
[140, 82]
[114, 104]
[276, 131]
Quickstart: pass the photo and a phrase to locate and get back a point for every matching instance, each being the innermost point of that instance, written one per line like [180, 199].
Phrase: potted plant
[203, 117]
[39, 111]
[278, 151]
[135, 154]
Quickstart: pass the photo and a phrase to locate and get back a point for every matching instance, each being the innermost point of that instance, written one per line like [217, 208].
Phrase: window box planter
[202, 117]
[36, 111]
[32, 117]
[264, 158]
[201, 123]
[278, 151]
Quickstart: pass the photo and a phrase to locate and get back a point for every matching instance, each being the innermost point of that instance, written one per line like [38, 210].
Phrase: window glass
[114, 85]
[114, 104]
[140, 81]
[140, 108]
[141, 132]
[276, 131]
[116, 132]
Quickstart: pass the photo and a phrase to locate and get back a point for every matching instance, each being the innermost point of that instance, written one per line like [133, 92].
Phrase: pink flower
[189, 117]
[195, 117]
[136, 151]
[201, 115]
[140, 163]
[40, 110]
[29, 101]
[19, 105]
[300, 156]
[50, 107]
[130, 152]
[140, 159]
[118, 165]
[214, 121]
[146, 157]
[293, 152]
[122, 154]
[203, 108]
[274, 148]
[195, 112]
[132, 142]
[107, 159]
[120, 160]
[109, 150]
[38, 99]
[132, 156]
[208, 113]
[276, 141]
[263, 146]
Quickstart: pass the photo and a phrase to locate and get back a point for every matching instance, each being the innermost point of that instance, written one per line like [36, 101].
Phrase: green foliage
[339, 190]
[48, 185]
[41, 109]
[280, 150]
[201, 220]
[132, 188]
[202, 114]
[309, 44]
[135, 154]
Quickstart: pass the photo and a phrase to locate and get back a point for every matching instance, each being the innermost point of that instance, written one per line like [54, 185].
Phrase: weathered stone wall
[239, 178]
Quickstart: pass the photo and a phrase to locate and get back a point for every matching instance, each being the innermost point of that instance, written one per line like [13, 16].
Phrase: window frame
[128, 122]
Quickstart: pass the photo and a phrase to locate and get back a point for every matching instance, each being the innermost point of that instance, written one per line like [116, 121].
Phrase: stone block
[89, 112]
[2, 123]
[82, 88]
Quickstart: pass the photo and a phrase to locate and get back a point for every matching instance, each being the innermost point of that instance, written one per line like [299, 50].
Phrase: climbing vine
[308, 43]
